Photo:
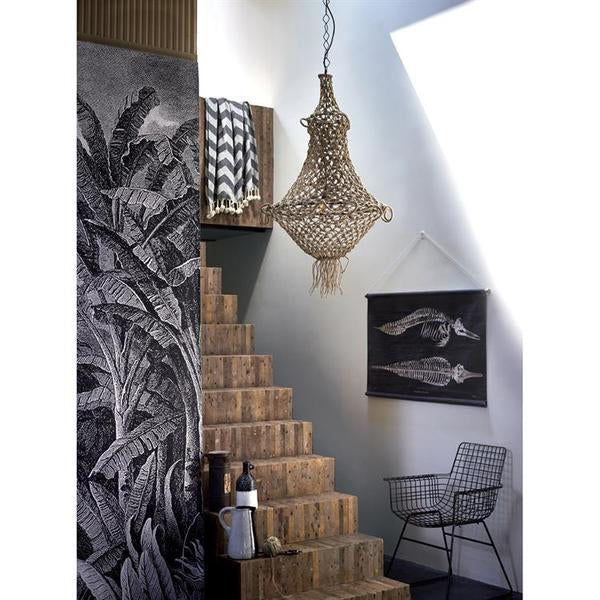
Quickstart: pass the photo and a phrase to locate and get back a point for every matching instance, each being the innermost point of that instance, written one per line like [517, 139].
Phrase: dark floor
[430, 584]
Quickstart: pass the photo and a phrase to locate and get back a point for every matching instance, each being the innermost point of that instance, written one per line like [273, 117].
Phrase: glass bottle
[246, 493]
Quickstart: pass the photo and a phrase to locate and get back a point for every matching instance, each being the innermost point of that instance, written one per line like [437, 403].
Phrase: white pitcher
[241, 541]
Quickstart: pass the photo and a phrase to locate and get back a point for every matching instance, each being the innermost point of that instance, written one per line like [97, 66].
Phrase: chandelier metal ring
[388, 213]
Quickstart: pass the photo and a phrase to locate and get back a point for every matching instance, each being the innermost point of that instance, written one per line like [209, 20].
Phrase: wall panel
[163, 26]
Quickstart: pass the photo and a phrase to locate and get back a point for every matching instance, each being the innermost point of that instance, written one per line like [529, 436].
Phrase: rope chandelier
[327, 210]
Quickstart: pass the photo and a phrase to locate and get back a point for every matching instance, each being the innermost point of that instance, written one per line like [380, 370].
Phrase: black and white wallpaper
[139, 525]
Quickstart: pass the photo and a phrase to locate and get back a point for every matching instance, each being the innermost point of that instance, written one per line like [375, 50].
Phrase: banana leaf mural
[139, 385]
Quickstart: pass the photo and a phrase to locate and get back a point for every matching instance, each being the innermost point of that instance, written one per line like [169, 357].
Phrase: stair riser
[210, 280]
[300, 477]
[247, 441]
[297, 522]
[236, 371]
[321, 566]
[397, 594]
[379, 588]
[294, 478]
[244, 406]
[308, 521]
[219, 308]
[227, 339]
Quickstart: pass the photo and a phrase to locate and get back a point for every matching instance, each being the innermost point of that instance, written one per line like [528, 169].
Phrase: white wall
[319, 346]
[233, 50]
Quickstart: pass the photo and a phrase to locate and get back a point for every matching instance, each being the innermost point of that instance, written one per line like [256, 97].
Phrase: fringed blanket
[231, 159]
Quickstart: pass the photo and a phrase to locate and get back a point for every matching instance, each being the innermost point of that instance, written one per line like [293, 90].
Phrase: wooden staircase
[246, 414]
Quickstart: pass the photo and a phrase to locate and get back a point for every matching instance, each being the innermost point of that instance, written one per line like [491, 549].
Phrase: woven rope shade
[328, 210]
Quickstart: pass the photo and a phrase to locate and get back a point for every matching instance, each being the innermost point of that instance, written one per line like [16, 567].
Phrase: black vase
[219, 480]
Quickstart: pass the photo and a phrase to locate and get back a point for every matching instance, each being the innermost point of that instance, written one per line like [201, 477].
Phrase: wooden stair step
[287, 476]
[266, 439]
[218, 308]
[210, 280]
[236, 371]
[324, 562]
[376, 588]
[297, 519]
[244, 405]
[203, 254]
[227, 338]
[244, 413]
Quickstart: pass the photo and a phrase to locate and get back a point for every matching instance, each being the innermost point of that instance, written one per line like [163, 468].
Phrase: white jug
[241, 540]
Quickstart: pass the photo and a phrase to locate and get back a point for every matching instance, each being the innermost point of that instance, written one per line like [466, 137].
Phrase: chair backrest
[477, 466]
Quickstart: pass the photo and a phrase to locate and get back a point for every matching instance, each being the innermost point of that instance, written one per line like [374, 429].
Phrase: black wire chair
[466, 495]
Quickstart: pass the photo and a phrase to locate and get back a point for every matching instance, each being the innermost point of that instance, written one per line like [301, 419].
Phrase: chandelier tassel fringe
[327, 276]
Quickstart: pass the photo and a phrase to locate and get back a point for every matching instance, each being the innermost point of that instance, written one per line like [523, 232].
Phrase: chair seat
[440, 512]
[436, 515]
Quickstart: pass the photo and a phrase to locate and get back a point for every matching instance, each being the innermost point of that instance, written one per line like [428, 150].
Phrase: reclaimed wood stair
[246, 414]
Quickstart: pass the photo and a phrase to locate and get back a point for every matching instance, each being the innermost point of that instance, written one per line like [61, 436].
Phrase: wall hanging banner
[428, 346]
[138, 353]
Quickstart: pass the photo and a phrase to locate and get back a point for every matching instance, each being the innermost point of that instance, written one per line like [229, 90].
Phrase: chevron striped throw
[231, 159]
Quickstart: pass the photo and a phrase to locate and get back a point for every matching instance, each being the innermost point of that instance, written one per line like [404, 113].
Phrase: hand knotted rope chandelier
[328, 210]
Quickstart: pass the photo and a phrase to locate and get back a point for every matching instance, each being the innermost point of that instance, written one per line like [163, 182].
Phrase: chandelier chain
[327, 37]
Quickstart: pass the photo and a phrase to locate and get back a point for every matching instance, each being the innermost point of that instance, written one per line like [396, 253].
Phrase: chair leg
[389, 568]
[450, 562]
[497, 555]
[444, 534]
[451, 551]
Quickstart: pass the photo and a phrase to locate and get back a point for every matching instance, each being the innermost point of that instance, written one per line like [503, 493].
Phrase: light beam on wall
[467, 69]
[512, 92]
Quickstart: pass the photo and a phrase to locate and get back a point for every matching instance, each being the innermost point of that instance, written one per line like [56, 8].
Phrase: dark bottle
[246, 493]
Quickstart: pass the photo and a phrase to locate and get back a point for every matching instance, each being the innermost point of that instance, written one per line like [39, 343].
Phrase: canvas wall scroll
[428, 346]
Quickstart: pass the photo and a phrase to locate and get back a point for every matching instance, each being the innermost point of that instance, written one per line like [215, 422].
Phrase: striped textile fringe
[231, 158]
